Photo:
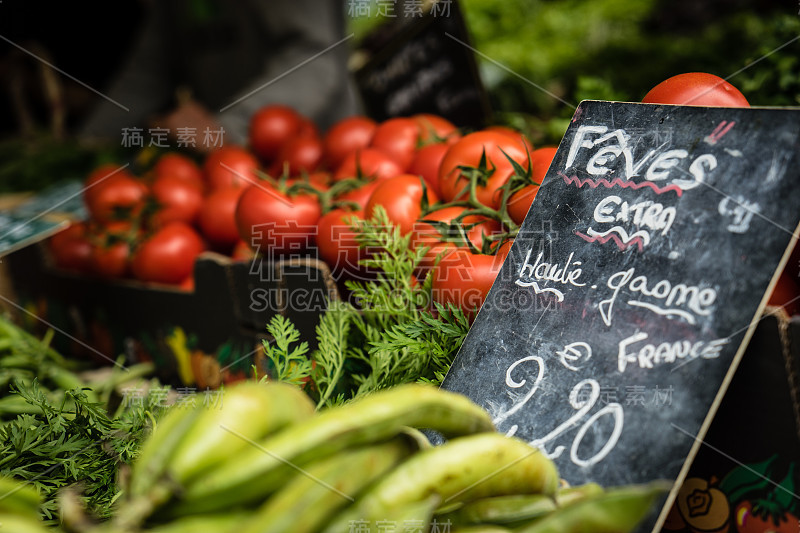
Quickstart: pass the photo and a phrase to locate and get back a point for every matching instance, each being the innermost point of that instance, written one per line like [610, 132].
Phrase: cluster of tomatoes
[461, 197]
[150, 228]
[294, 191]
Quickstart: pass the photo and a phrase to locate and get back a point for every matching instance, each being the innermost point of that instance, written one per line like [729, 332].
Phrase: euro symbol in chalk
[573, 353]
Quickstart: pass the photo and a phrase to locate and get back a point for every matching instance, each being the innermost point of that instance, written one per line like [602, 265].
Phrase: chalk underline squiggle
[538, 290]
[664, 312]
[617, 182]
[622, 245]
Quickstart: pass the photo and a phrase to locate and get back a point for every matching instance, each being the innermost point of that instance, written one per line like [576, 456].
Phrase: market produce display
[414, 218]
[364, 463]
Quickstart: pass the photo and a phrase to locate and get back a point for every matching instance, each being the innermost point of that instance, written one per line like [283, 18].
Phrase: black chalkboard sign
[616, 323]
[428, 67]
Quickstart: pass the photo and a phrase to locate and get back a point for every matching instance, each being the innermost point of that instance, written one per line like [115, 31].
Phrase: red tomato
[397, 138]
[71, 248]
[361, 195]
[217, 217]
[100, 175]
[367, 163]
[541, 159]
[468, 152]
[511, 132]
[307, 128]
[749, 522]
[168, 255]
[426, 163]
[115, 198]
[696, 88]
[347, 136]
[786, 294]
[271, 127]
[275, 223]
[111, 261]
[336, 242]
[179, 166]
[435, 129]
[425, 234]
[178, 200]
[401, 197]
[520, 203]
[230, 166]
[320, 178]
[115, 230]
[463, 279]
[300, 154]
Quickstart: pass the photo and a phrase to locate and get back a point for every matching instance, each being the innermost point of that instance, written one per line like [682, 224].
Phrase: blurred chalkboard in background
[426, 66]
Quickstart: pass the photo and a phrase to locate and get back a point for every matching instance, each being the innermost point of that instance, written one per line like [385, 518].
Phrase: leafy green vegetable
[72, 443]
[290, 364]
[387, 337]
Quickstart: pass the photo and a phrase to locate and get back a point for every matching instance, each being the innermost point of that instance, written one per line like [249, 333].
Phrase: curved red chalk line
[617, 182]
[622, 245]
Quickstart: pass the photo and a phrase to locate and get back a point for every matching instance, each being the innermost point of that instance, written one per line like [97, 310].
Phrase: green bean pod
[19, 499]
[250, 412]
[482, 528]
[20, 524]
[617, 510]
[501, 510]
[259, 470]
[210, 523]
[463, 469]
[412, 517]
[158, 449]
[313, 496]
[517, 508]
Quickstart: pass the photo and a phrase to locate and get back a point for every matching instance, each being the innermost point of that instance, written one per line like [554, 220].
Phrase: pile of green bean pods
[265, 461]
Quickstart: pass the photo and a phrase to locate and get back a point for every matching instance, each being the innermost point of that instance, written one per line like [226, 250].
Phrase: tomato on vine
[347, 136]
[217, 217]
[298, 155]
[426, 163]
[367, 163]
[176, 199]
[168, 255]
[485, 157]
[463, 278]
[336, 241]
[116, 197]
[274, 221]
[402, 198]
[71, 248]
[179, 166]
[230, 166]
[435, 129]
[397, 138]
[455, 230]
[271, 127]
[520, 201]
